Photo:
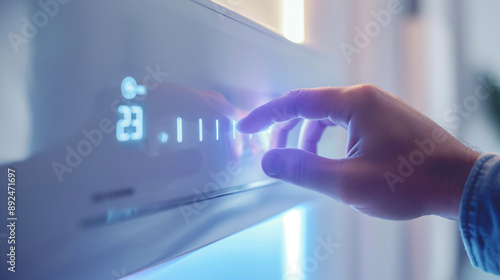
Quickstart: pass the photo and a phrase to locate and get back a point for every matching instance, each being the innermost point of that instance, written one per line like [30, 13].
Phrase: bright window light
[293, 20]
[293, 228]
[285, 17]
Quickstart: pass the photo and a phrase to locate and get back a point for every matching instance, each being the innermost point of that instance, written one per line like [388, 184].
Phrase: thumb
[301, 168]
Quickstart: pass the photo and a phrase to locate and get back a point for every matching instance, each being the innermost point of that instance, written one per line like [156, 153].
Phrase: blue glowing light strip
[200, 121]
[234, 129]
[217, 129]
[179, 129]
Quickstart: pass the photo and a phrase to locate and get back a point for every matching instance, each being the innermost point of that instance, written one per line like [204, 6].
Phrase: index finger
[316, 103]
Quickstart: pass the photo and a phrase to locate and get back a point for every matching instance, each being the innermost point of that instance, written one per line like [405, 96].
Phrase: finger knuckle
[363, 95]
[290, 111]
[298, 95]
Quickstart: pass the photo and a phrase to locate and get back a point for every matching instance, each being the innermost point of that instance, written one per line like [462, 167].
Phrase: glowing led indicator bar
[179, 129]
[264, 138]
[163, 136]
[234, 129]
[217, 130]
[200, 121]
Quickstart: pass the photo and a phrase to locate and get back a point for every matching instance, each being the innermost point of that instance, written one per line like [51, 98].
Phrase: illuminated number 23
[130, 127]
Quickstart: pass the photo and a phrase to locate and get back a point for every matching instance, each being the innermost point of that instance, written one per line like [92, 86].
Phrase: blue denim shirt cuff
[480, 214]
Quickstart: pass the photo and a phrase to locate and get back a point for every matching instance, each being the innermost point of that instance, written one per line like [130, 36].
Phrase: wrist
[450, 175]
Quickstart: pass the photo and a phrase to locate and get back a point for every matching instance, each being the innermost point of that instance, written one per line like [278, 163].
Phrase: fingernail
[271, 164]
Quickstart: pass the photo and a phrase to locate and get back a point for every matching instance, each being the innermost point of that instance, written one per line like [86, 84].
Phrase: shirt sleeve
[480, 214]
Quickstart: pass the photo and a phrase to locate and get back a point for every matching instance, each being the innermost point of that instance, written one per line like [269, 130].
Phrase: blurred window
[285, 17]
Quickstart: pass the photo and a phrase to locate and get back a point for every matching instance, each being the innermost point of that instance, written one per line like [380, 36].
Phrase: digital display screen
[131, 126]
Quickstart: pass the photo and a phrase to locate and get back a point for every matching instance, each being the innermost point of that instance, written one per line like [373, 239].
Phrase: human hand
[399, 164]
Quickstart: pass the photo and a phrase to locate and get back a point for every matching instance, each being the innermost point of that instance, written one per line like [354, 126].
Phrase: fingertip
[248, 125]
[241, 125]
[272, 164]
